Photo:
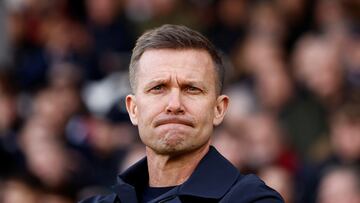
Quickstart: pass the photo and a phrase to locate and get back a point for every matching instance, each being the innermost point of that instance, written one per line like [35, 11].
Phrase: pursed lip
[173, 120]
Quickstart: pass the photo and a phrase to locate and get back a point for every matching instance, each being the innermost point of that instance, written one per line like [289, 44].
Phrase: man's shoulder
[100, 199]
[251, 180]
[250, 188]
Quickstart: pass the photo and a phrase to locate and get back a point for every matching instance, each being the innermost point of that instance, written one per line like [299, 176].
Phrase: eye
[192, 90]
[157, 88]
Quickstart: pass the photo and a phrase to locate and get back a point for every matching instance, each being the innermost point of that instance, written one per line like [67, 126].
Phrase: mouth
[174, 120]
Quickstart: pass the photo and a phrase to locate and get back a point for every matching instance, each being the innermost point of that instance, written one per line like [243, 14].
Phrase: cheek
[147, 111]
[203, 112]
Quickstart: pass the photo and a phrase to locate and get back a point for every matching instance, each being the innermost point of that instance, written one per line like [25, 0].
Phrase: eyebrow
[182, 84]
[194, 83]
[155, 82]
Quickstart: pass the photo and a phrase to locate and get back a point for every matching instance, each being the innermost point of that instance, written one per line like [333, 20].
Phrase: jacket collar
[212, 178]
[131, 180]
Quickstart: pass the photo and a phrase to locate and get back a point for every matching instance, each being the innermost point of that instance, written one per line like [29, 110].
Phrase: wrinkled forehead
[173, 58]
[189, 64]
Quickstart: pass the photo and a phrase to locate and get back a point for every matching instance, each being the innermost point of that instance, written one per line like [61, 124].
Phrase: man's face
[175, 104]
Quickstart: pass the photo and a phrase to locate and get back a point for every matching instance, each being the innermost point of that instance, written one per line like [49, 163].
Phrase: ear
[220, 109]
[131, 108]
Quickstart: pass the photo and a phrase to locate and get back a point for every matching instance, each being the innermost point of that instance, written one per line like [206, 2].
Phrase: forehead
[189, 64]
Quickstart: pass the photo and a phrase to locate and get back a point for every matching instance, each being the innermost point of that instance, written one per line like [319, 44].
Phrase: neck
[168, 170]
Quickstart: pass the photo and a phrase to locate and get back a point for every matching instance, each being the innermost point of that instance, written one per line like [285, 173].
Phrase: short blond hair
[174, 37]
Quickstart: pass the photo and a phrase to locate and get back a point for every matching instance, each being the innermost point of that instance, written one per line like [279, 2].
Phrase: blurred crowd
[293, 76]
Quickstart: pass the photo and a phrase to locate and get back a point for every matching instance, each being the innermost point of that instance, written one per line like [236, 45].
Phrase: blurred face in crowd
[101, 11]
[266, 21]
[345, 139]
[230, 146]
[328, 13]
[232, 12]
[42, 150]
[54, 106]
[175, 104]
[273, 86]
[263, 140]
[317, 66]
[14, 191]
[339, 186]
[280, 180]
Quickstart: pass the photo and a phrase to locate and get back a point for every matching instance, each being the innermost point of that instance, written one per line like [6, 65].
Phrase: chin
[175, 149]
[170, 151]
[171, 147]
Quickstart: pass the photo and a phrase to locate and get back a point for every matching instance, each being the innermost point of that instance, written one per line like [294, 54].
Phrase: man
[176, 77]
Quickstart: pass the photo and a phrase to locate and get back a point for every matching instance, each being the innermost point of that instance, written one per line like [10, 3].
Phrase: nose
[174, 105]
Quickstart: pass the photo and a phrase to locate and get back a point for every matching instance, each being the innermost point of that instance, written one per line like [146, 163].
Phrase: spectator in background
[265, 22]
[317, 67]
[342, 151]
[229, 138]
[321, 90]
[15, 190]
[41, 149]
[112, 35]
[340, 184]
[154, 13]
[228, 26]
[281, 180]
[330, 17]
[36, 46]
[345, 135]
[231, 146]
[261, 59]
[266, 145]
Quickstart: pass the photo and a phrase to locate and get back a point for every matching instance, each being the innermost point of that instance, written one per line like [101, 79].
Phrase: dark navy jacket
[215, 179]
